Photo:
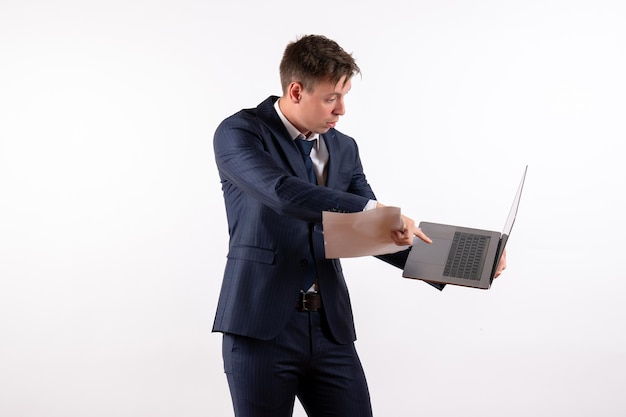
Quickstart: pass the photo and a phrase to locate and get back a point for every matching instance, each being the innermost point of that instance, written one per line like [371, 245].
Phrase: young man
[284, 309]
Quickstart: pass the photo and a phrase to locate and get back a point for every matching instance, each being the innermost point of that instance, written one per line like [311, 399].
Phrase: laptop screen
[513, 213]
[509, 222]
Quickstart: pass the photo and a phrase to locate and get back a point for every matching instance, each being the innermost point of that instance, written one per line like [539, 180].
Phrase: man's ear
[294, 92]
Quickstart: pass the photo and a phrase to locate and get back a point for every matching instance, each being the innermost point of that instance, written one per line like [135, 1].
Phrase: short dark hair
[314, 58]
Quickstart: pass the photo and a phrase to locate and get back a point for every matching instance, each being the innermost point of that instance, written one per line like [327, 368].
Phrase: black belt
[309, 301]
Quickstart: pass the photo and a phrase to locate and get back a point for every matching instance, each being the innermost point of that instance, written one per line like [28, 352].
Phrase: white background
[112, 228]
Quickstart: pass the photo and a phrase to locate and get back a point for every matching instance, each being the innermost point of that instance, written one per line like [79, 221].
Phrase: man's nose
[340, 108]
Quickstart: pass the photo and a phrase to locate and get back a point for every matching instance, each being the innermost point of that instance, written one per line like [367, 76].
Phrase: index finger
[418, 232]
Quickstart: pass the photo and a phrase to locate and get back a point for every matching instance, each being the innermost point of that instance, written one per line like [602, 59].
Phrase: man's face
[319, 110]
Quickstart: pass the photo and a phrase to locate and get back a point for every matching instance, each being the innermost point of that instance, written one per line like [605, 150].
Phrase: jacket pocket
[252, 253]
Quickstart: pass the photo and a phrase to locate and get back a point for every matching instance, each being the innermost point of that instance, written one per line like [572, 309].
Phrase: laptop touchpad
[435, 253]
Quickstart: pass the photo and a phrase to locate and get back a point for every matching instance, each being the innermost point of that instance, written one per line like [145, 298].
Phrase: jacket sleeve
[249, 161]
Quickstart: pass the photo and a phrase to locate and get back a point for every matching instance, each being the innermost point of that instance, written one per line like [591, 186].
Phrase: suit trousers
[265, 376]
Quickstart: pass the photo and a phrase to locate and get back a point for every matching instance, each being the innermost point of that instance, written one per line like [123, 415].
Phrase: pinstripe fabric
[272, 352]
[265, 376]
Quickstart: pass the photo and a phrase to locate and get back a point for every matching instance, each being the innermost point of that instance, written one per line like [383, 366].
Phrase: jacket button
[304, 262]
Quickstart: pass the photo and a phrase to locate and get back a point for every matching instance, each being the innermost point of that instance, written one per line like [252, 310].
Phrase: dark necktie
[305, 147]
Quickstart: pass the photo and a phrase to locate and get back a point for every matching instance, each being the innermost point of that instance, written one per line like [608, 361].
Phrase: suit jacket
[274, 222]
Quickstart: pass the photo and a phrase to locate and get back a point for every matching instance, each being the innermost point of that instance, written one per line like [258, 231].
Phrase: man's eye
[330, 100]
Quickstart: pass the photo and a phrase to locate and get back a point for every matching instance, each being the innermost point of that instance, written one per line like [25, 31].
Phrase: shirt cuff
[370, 205]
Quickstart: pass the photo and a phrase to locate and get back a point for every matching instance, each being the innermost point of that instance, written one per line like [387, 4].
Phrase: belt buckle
[303, 300]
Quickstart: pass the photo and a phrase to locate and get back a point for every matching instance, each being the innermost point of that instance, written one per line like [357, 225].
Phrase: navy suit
[274, 222]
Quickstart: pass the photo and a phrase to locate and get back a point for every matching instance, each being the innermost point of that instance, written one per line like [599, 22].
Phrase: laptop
[460, 255]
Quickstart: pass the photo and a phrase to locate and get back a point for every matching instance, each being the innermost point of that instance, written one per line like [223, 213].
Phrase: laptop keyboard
[466, 256]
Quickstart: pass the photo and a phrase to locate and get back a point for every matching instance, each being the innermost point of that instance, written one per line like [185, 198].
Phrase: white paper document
[348, 235]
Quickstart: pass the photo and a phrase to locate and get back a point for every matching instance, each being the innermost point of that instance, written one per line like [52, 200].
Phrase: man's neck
[286, 109]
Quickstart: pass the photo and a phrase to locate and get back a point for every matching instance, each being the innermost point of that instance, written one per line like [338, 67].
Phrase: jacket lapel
[332, 168]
